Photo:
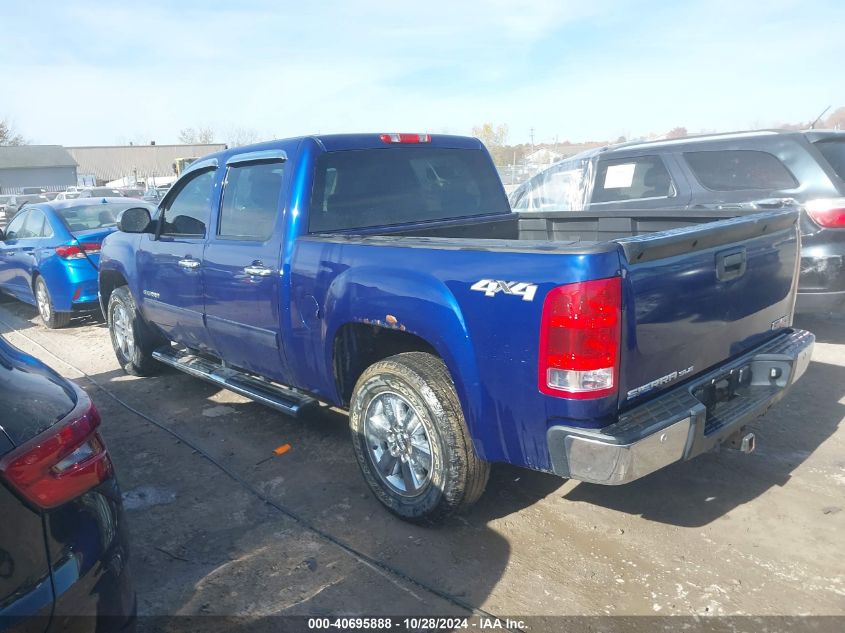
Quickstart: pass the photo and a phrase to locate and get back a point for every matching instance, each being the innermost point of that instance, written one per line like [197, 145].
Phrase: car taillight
[61, 463]
[828, 213]
[580, 334]
[405, 138]
[78, 251]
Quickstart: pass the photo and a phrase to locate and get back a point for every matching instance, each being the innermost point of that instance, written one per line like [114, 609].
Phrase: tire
[44, 302]
[391, 454]
[131, 337]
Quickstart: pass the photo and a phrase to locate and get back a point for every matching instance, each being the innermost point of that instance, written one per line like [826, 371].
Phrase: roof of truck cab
[340, 142]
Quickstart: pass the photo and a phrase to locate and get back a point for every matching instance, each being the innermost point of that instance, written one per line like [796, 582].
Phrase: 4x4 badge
[519, 288]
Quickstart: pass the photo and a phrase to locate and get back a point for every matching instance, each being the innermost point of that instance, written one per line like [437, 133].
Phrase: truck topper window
[399, 185]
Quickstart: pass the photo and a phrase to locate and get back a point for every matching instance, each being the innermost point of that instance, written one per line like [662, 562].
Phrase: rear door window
[737, 170]
[834, 154]
[37, 225]
[636, 178]
[250, 201]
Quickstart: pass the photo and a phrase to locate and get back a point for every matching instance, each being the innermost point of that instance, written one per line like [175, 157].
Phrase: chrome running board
[279, 397]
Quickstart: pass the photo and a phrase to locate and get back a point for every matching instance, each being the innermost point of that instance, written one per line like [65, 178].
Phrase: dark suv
[721, 174]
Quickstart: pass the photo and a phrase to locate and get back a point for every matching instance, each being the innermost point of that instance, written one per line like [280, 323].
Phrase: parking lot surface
[220, 524]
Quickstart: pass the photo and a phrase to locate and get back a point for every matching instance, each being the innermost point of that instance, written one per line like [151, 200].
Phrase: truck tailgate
[698, 296]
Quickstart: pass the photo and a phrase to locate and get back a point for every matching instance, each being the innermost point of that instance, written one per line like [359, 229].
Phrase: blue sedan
[50, 252]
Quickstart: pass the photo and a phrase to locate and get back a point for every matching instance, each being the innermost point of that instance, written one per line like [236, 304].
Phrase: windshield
[562, 187]
[379, 187]
[834, 153]
[94, 216]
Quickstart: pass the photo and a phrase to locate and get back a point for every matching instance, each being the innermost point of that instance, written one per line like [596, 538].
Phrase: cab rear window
[360, 189]
[737, 170]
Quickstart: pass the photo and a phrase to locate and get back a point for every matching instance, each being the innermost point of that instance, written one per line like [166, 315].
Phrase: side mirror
[135, 220]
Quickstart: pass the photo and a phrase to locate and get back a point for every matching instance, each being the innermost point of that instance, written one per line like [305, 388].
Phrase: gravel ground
[221, 525]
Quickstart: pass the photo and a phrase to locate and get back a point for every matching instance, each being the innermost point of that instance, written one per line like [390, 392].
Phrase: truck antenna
[813, 124]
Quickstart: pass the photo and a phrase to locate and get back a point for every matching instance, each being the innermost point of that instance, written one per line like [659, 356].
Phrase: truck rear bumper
[685, 421]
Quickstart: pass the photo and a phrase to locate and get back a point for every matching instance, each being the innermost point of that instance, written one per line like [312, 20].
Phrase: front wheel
[131, 338]
[44, 301]
[411, 441]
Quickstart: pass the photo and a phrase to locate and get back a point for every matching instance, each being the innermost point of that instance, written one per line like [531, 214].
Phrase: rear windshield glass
[834, 153]
[45, 402]
[735, 170]
[378, 187]
[94, 216]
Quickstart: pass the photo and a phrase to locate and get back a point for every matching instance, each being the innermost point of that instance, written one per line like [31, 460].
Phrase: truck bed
[684, 314]
[585, 227]
[582, 231]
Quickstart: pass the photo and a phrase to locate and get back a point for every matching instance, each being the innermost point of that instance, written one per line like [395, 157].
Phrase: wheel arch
[372, 316]
[107, 281]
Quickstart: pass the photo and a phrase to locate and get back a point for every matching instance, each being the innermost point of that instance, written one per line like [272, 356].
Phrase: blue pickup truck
[386, 274]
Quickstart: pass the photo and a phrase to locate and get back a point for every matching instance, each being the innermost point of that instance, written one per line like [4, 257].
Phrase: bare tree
[494, 139]
[490, 135]
[836, 121]
[196, 136]
[677, 132]
[242, 136]
[8, 135]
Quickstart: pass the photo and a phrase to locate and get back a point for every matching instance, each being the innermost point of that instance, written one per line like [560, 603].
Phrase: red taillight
[406, 138]
[580, 334]
[61, 463]
[78, 251]
[828, 213]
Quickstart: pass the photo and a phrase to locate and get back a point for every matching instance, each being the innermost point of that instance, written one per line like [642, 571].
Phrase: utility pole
[532, 138]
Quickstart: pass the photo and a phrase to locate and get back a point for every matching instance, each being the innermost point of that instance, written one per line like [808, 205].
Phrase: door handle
[257, 269]
[189, 263]
[731, 264]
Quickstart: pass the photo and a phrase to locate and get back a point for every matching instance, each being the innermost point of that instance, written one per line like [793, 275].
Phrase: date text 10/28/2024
[414, 624]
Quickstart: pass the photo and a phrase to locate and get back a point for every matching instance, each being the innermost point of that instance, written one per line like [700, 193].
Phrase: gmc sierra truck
[387, 275]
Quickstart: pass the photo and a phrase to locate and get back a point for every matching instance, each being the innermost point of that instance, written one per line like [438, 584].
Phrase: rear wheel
[411, 441]
[131, 337]
[49, 316]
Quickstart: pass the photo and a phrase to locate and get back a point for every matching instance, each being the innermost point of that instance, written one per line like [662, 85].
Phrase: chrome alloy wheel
[43, 300]
[124, 337]
[397, 444]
